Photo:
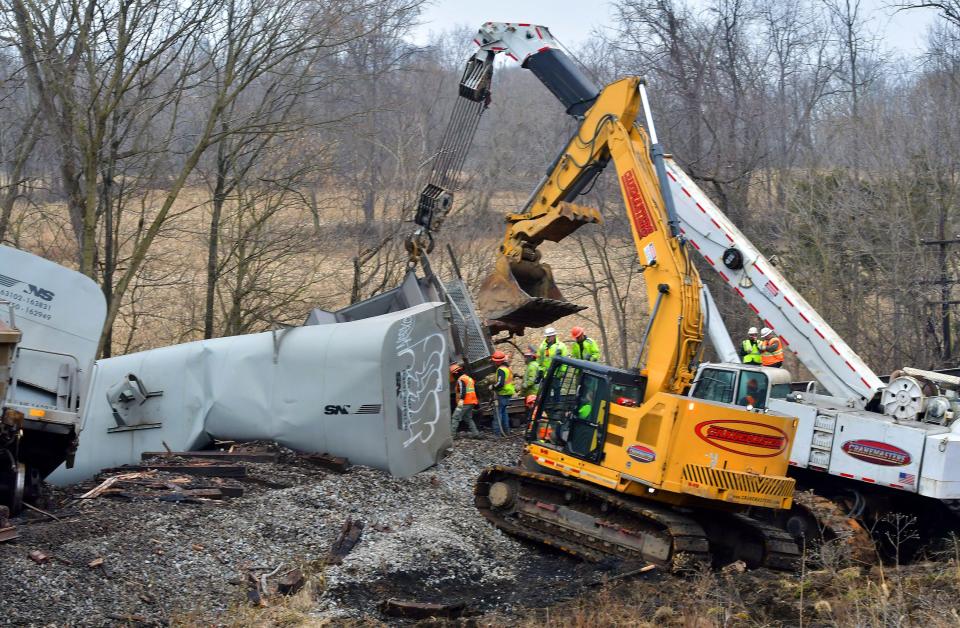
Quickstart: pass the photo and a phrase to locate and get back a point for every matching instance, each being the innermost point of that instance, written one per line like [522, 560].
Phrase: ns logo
[40, 293]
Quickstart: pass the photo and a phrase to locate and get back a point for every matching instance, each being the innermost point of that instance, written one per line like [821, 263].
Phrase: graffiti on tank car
[876, 452]
[641, 453]
[420, 383]
[746, 438]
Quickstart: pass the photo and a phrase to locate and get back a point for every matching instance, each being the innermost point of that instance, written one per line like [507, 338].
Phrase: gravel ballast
[422, 540]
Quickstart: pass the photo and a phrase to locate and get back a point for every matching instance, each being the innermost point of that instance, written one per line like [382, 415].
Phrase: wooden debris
[150, 484]
[41, 511]
[137, 619]
[421, 610]
[338, 464]
[106, 484]
[348, 538]
[291, 582]
[240, 454]
[8, 533]
[38, 557]
[198, 467]
[96, 562]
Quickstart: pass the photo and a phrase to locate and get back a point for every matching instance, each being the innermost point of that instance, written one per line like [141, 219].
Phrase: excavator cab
[572, 407]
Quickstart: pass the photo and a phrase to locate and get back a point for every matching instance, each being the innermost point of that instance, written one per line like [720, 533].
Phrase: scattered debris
[422, 610]
[8, 533]
[38, 557]
[197, 467]
[737, 566]
[338, 464]
[165, 487]
[348, 538]
[291, 582]
[96, 562]
[239, 454]
[41, 511]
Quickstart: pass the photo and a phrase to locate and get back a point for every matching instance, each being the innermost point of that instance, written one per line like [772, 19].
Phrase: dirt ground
[188, 562]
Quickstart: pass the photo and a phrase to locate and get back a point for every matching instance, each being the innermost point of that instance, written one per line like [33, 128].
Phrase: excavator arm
[521, 291]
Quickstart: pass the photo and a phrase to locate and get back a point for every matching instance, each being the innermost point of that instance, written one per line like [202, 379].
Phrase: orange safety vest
[470, 390]
[771, 351]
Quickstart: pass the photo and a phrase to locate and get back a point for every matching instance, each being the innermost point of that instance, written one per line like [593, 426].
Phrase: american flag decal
[370, 408]
[908, 478]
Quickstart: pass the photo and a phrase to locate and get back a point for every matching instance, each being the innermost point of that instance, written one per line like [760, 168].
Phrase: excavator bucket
[522, 294]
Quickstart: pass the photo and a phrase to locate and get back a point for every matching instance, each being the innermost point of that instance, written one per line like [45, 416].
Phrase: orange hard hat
[530, 400]
[576, 332]
[455, 368]
[498, 357]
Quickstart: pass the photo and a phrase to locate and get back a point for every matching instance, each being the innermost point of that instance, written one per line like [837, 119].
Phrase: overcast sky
[572, 21]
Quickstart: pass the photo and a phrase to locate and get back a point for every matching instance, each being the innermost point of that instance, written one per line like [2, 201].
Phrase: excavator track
[600, 526]
[832, 524]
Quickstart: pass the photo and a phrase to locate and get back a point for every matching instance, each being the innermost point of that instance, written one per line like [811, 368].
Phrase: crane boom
[771, 297]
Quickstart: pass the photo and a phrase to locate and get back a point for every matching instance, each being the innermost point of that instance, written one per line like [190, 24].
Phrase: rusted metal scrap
[349, 536]
[421, 610]
[8, 533]
[338, 464]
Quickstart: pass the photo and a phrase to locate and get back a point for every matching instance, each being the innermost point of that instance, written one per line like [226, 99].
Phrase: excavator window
[753, 389]
[572, 413]
[715, 385]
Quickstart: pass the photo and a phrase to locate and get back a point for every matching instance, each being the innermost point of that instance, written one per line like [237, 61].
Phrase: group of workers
[762, 347]
[537, 361]
[767, 350]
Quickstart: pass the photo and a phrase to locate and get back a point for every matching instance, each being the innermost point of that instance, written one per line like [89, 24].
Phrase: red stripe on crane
[768, 323]
[522, 24]
[700, 207]
[725, 278]
[497, 49]
[789, 302]
[754, 308]
[805, 319]
[544, 48]
[476, 42]
[757, 266]
[685, 192]
[729, 237]
[738, 291]
[819, 333]
[783, 338]
[865, 382]
[695, 245]
[834, 349]
[846, 475]
[709, 261]
[870, 480]
[895, 485]
[670, 174]
[716, 223]
[850, 365]
[510, 54]
[539, 34]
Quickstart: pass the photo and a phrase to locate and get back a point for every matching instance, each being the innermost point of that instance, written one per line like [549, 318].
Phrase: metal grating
[467, 325]
[734, 480]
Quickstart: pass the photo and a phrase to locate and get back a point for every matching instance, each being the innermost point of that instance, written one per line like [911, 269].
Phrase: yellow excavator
[660, 463]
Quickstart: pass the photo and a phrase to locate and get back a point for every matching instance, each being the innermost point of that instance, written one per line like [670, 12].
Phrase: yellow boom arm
[521, 288]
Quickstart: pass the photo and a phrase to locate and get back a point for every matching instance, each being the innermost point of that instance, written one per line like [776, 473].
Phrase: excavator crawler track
[600, 526]
[832, 525]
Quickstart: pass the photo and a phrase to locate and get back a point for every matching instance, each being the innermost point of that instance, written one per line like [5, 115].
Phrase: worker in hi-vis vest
[750, 348]
[583, 347]
[771, 348]
[531, 378]
[550, 348]
[466, 401]
[505, 390]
